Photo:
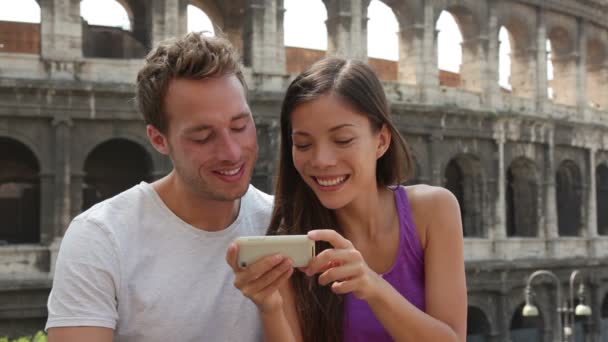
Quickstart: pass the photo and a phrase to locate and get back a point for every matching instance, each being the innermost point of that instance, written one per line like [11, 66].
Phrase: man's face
[211, 136]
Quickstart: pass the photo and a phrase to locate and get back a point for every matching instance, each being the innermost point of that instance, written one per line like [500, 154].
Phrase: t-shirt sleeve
[86, 278]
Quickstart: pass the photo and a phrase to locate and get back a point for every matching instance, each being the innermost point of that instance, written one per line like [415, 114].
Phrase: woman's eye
[344, 141]
[301, 146]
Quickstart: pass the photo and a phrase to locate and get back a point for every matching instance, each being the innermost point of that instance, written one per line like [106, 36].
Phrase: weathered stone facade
[531, 172]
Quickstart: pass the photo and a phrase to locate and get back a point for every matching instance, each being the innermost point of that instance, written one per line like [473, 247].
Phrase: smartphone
[298, 248]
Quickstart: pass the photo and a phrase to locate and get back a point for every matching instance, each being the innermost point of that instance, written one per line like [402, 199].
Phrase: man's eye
[239, 129]
[202, 141]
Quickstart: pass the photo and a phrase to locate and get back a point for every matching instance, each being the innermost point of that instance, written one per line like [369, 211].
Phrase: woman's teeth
[330, 181]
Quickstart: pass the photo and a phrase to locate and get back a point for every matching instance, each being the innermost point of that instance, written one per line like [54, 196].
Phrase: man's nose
[228, 148]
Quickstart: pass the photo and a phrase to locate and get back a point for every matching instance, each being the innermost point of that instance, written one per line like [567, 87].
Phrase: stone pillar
[500, 228]
[474, 64]
[62, 127]
[523, 73]
[165, 20]
[489, 79]
[417, 53]
[434, 158]
[581, 66]
[592, 232]
[263, 46]
[551, 229]
[61, 38]
[541, 61]
[347, 28]
[182, 10]
[47, 202]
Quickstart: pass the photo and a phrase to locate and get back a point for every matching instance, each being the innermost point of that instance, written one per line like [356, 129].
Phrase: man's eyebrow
[240, 116]
[333, 129]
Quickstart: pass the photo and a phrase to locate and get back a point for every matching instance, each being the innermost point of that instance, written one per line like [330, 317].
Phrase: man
[148, 264]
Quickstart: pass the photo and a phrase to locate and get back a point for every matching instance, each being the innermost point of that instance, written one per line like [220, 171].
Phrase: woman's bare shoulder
[431, 206]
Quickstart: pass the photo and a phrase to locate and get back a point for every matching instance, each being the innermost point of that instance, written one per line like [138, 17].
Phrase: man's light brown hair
[193, 56]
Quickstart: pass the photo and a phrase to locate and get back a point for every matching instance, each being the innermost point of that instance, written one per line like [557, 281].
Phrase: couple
[150, 263]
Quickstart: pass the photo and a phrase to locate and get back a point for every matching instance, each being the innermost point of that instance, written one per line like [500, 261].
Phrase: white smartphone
[298, 248]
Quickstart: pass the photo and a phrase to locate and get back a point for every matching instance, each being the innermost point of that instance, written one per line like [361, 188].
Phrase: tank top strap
[409, 234]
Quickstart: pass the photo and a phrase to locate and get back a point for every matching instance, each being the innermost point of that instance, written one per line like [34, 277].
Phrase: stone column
[417, 53]
[165, 20]
[62, 127]
[500, 228]
[347, 28]
[47, 209]
[541, 61]
[263, 47]
[474, 64]
[523, 73]
[551, 229]
[435, 149]
[581, 65]
[76, 193]
[61, 38]
[592, 232]
[489, 79]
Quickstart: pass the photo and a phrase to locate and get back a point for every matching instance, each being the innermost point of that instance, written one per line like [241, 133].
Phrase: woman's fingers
[331, 236]
[341, 273]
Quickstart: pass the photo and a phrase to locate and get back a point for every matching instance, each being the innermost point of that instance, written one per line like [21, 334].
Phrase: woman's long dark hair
[296, 208]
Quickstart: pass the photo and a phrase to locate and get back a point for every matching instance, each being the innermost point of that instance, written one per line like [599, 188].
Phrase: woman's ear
[384, 141]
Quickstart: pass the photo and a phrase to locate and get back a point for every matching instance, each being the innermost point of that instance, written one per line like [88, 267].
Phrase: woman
[391, 265]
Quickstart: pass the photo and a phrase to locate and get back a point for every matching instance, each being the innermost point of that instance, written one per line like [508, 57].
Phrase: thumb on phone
[231, 256]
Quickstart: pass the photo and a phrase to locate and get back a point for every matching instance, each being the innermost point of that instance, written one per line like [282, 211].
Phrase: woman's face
[335, 150]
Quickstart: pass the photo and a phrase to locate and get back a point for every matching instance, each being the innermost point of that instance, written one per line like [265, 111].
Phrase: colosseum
[528, 163]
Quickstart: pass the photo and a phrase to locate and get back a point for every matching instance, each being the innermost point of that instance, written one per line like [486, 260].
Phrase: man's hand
[261, 280]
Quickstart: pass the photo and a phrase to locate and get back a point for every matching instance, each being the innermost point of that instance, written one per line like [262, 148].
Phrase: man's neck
[200, 212]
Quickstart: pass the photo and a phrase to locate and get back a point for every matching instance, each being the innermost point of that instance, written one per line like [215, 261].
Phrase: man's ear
[157, 139]
[384, 141]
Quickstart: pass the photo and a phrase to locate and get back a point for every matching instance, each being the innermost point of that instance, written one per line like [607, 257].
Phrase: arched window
[305, 24]
[382, 32]
[449, 49]
[504, 59]
[112, 167]
[522, 199]
[597, 57]
[19, 193]
[601, 184]
[478, 327]
[198, 21]
[569, 195]
[463, 178]
[526, 329]
[561, 52]
[105, 13]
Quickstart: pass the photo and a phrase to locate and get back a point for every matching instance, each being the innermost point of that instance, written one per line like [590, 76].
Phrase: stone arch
[521, 38]
[409, 15]
[601, 184]
[212, 11]
[568, 183]
[522, 190]
[597, 71]
[19, 193]
[463, 176]
[112, 167]
[99, 41]
[526, 329]
[562, 55]
[478, 325]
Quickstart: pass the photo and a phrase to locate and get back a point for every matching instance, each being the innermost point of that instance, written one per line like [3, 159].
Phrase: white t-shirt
[130, 264]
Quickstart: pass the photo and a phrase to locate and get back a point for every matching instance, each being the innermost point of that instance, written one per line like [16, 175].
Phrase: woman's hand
[343, 267]
[261, 280]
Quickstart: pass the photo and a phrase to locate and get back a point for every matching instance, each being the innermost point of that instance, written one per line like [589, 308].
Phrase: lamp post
[565, 308]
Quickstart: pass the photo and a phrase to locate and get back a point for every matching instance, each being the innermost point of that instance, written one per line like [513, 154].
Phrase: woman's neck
[369, 215]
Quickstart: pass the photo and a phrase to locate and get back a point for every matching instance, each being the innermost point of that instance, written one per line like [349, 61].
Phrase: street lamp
[566, 309]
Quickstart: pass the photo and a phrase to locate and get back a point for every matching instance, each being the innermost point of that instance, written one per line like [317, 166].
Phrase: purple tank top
[406, 276]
